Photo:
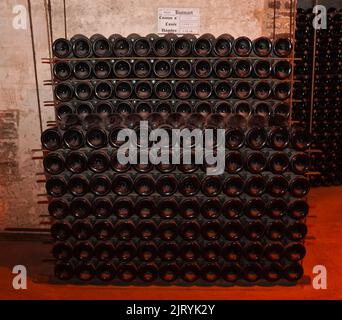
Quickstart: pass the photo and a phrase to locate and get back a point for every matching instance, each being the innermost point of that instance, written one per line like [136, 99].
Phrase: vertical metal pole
[35, 65]
[313, 75]
[50, 18]
[48, 31]
[293, 40]
[65, 21]
[274, 19]
[49, 35]
[291, 13]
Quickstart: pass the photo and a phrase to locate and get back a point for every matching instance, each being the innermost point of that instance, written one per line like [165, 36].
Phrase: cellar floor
[323, 248]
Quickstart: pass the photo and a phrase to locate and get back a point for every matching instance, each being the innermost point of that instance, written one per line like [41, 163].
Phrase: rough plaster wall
[280, 17]
[19, 125]
[126, 16]
[19, 121]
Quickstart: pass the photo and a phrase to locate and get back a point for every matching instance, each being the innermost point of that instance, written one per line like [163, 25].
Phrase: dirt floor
[323, 248]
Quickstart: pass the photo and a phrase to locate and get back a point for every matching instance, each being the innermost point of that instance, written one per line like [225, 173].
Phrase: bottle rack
[205, 269]
[319, 91]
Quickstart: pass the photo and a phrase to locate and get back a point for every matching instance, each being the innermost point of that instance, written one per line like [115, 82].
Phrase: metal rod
[199, 100]
[35, 66]
[313, 173]
[170, 79]
[35, 230]
[48, 34]
[313, 75]
[291, 4]
[53, 60]
[65, 20]
[293, 40]
[274, 19]
[50, 18]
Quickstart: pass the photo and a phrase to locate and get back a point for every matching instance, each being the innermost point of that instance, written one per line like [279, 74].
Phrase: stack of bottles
[323, 92]
[173, 223]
